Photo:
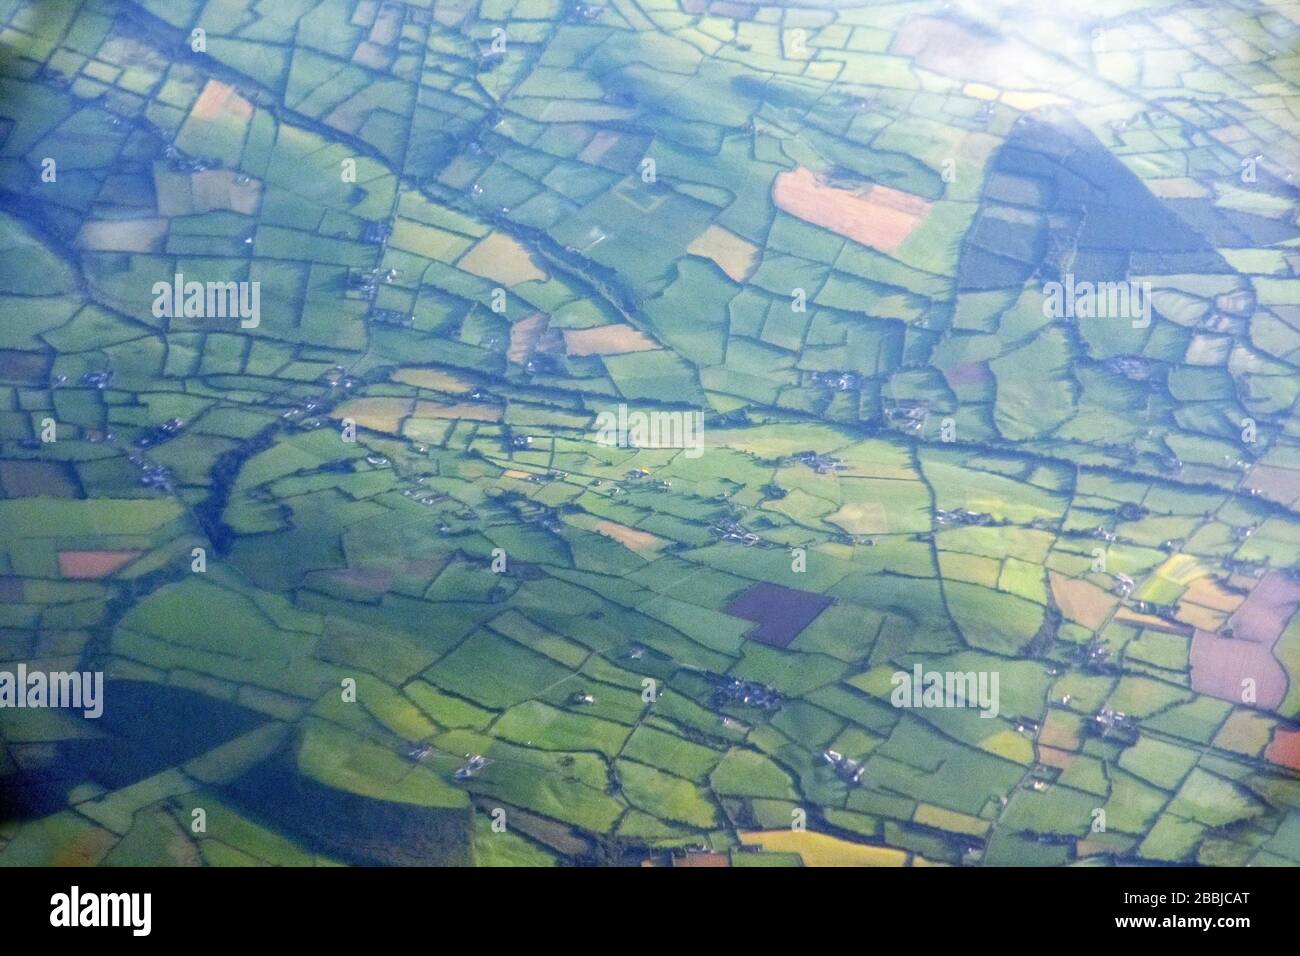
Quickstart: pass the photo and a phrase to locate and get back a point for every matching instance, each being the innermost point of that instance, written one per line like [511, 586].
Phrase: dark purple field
[780, 613]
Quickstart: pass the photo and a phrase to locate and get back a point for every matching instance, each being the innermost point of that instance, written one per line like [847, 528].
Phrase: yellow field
[376, 414]
[427, 241]
[732, 254]
[434, 380]
[124, 235]
[972, 568]
[821, 849]
[471, 411]
[503, 259]
[1245, 733]
[1207, 592]
[864, 518]
[932, 816]
[184, 194]
[1010, 745]
[1182, 569]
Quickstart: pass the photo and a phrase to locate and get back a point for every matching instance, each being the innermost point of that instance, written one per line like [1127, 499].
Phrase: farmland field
[707, 433]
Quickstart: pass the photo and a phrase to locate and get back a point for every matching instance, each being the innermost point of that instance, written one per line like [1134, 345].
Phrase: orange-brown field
[630, 538]
[607, 340]
[1128, 616]
[220, 98]
[372, 581]
[1059, 732]
[600, 144]
[523, 337]
[1284, 748]
[1052, 757]
[951, 48]
[1279, 484]
[1082, 601]
[702, 859]
[377, 414]
[25, 367]
[878, 216]
[948, 47]
[94, 564]
[21, 479]
[969, 373]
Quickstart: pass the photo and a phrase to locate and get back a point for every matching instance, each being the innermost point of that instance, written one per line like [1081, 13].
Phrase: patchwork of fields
[367, 584]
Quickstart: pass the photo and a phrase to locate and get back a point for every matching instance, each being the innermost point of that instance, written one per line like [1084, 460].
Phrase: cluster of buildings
[659, 484]
[151, 475]
[846, 768]
[1133, 367]
[1096, 653]
[376, 232]
[180, 163]
[1110, 721]
[337, 377]
[962, 516]
[419, 753]
[472, 767]
[365, 282]
[908, 413]
[734, 531]
[576, 11]
[160, 433]
[822, 464]
[546, 477]
[838, 381]
[391, 317]
[422, 495]
[734, 692]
